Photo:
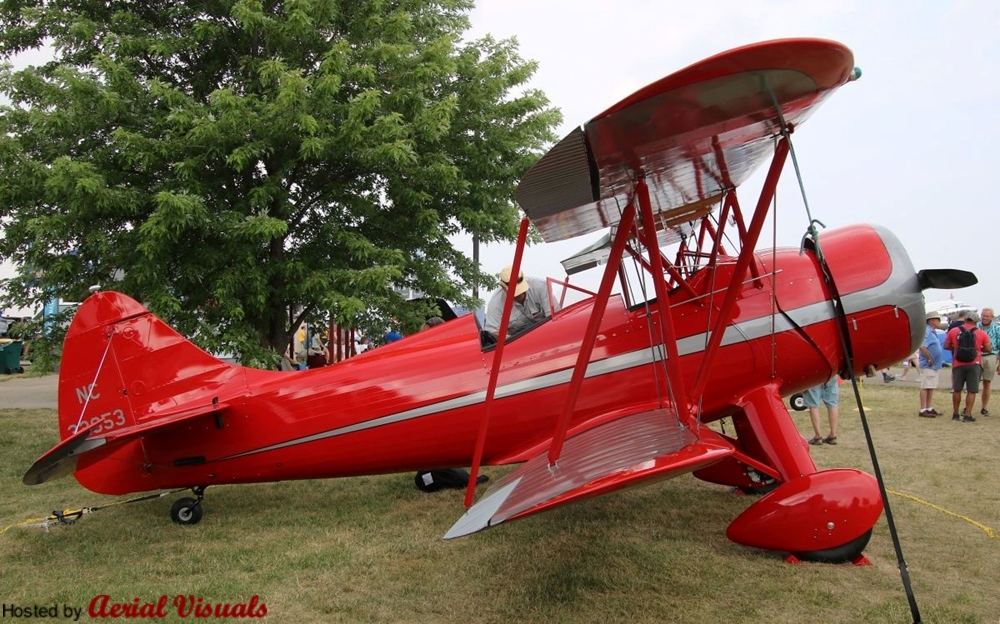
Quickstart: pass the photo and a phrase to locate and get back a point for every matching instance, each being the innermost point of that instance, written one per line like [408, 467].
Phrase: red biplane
[609, 392]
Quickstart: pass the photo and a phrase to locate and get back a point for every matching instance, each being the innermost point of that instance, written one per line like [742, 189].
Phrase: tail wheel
[840, 554]
[186, 511]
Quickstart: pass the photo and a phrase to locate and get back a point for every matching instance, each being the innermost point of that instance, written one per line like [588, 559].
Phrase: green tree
[227, 161]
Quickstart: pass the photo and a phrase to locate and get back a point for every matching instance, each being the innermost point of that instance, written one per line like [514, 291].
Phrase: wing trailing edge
[638, 448]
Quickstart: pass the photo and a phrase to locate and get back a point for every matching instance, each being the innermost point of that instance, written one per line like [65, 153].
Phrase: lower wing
[638, 448]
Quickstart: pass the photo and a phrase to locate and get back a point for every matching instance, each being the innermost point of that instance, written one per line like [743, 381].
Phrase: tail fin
[122, 367]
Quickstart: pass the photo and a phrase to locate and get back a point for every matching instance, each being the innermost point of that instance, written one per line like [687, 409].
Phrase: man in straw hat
[531, 303]
[931, 361]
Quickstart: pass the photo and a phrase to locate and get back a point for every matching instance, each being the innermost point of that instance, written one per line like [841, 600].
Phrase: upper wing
[693, 134]
[633, 449]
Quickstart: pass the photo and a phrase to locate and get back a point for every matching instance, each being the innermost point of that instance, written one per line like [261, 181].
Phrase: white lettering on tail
[83, 392]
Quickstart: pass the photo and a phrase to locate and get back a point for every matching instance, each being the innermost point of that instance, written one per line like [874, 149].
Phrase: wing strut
[742, 264]
[593, 325]
[666, 325]
[491, 388]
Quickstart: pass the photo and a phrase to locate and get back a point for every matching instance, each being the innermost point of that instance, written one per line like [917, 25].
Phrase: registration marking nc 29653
[104, 422]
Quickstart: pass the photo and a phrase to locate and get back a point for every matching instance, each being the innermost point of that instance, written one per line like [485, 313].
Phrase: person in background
[966, 374]
[931, 360]
[317, 356]
[911, 362]
[433, 321]
[531, 303]
[361, 345]
[829, 394]
[287, 362]
[990, 360]
[955, 319]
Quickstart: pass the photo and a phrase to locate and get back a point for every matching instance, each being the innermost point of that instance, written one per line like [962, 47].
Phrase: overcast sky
[911, 145]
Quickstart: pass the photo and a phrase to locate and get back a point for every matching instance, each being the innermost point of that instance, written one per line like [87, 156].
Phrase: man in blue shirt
[931, 360]
[989, 359]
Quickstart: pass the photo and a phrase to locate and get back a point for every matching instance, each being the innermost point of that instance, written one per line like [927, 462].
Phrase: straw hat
[522, 285]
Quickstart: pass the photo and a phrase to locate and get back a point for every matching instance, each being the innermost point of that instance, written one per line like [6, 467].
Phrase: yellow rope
[989, 532]
[75, 514]
[71, 514]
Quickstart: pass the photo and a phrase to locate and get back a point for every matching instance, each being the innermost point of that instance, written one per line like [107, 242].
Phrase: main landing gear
[844, 553]
[188, 510]
[818, 515]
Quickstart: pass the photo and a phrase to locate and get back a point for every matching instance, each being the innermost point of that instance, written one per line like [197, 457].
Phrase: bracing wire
[657, 353]
[708, 324]
[657, 350]
[90, 390]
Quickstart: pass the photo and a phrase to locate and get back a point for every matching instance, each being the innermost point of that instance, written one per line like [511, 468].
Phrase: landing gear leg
[188, 510]
[818, 515]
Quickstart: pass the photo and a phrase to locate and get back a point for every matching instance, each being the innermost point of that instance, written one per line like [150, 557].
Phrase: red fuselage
[418, 403]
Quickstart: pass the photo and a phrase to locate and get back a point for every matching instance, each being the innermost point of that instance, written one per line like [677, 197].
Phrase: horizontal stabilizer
[61, 460]
[631, 450]
[163, 420]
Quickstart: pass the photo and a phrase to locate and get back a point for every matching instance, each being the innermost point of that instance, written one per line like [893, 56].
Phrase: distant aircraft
[608, 392]
[949, 307]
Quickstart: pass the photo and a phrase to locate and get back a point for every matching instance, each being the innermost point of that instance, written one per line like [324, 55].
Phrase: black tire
[798, 402]
[186, 511]
[20, 369]
[840, 554]
[760, 490]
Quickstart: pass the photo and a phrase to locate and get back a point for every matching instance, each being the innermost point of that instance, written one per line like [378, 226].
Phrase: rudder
[121, 365]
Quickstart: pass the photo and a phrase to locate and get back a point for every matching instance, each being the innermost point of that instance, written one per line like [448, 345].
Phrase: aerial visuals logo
[104, 607]
[184, 606]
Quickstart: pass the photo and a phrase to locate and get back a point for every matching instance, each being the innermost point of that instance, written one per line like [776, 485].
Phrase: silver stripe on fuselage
[901, 287]
[734, 334]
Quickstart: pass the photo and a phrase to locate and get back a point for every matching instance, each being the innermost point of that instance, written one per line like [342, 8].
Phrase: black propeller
[945, 278]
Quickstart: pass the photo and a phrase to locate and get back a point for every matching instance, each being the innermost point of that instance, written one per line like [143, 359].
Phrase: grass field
[370, 549]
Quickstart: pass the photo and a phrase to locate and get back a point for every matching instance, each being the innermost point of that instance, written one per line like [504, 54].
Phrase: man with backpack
[967, 344]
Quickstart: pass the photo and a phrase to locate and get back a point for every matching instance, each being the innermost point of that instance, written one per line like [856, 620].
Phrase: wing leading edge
[638, 448]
